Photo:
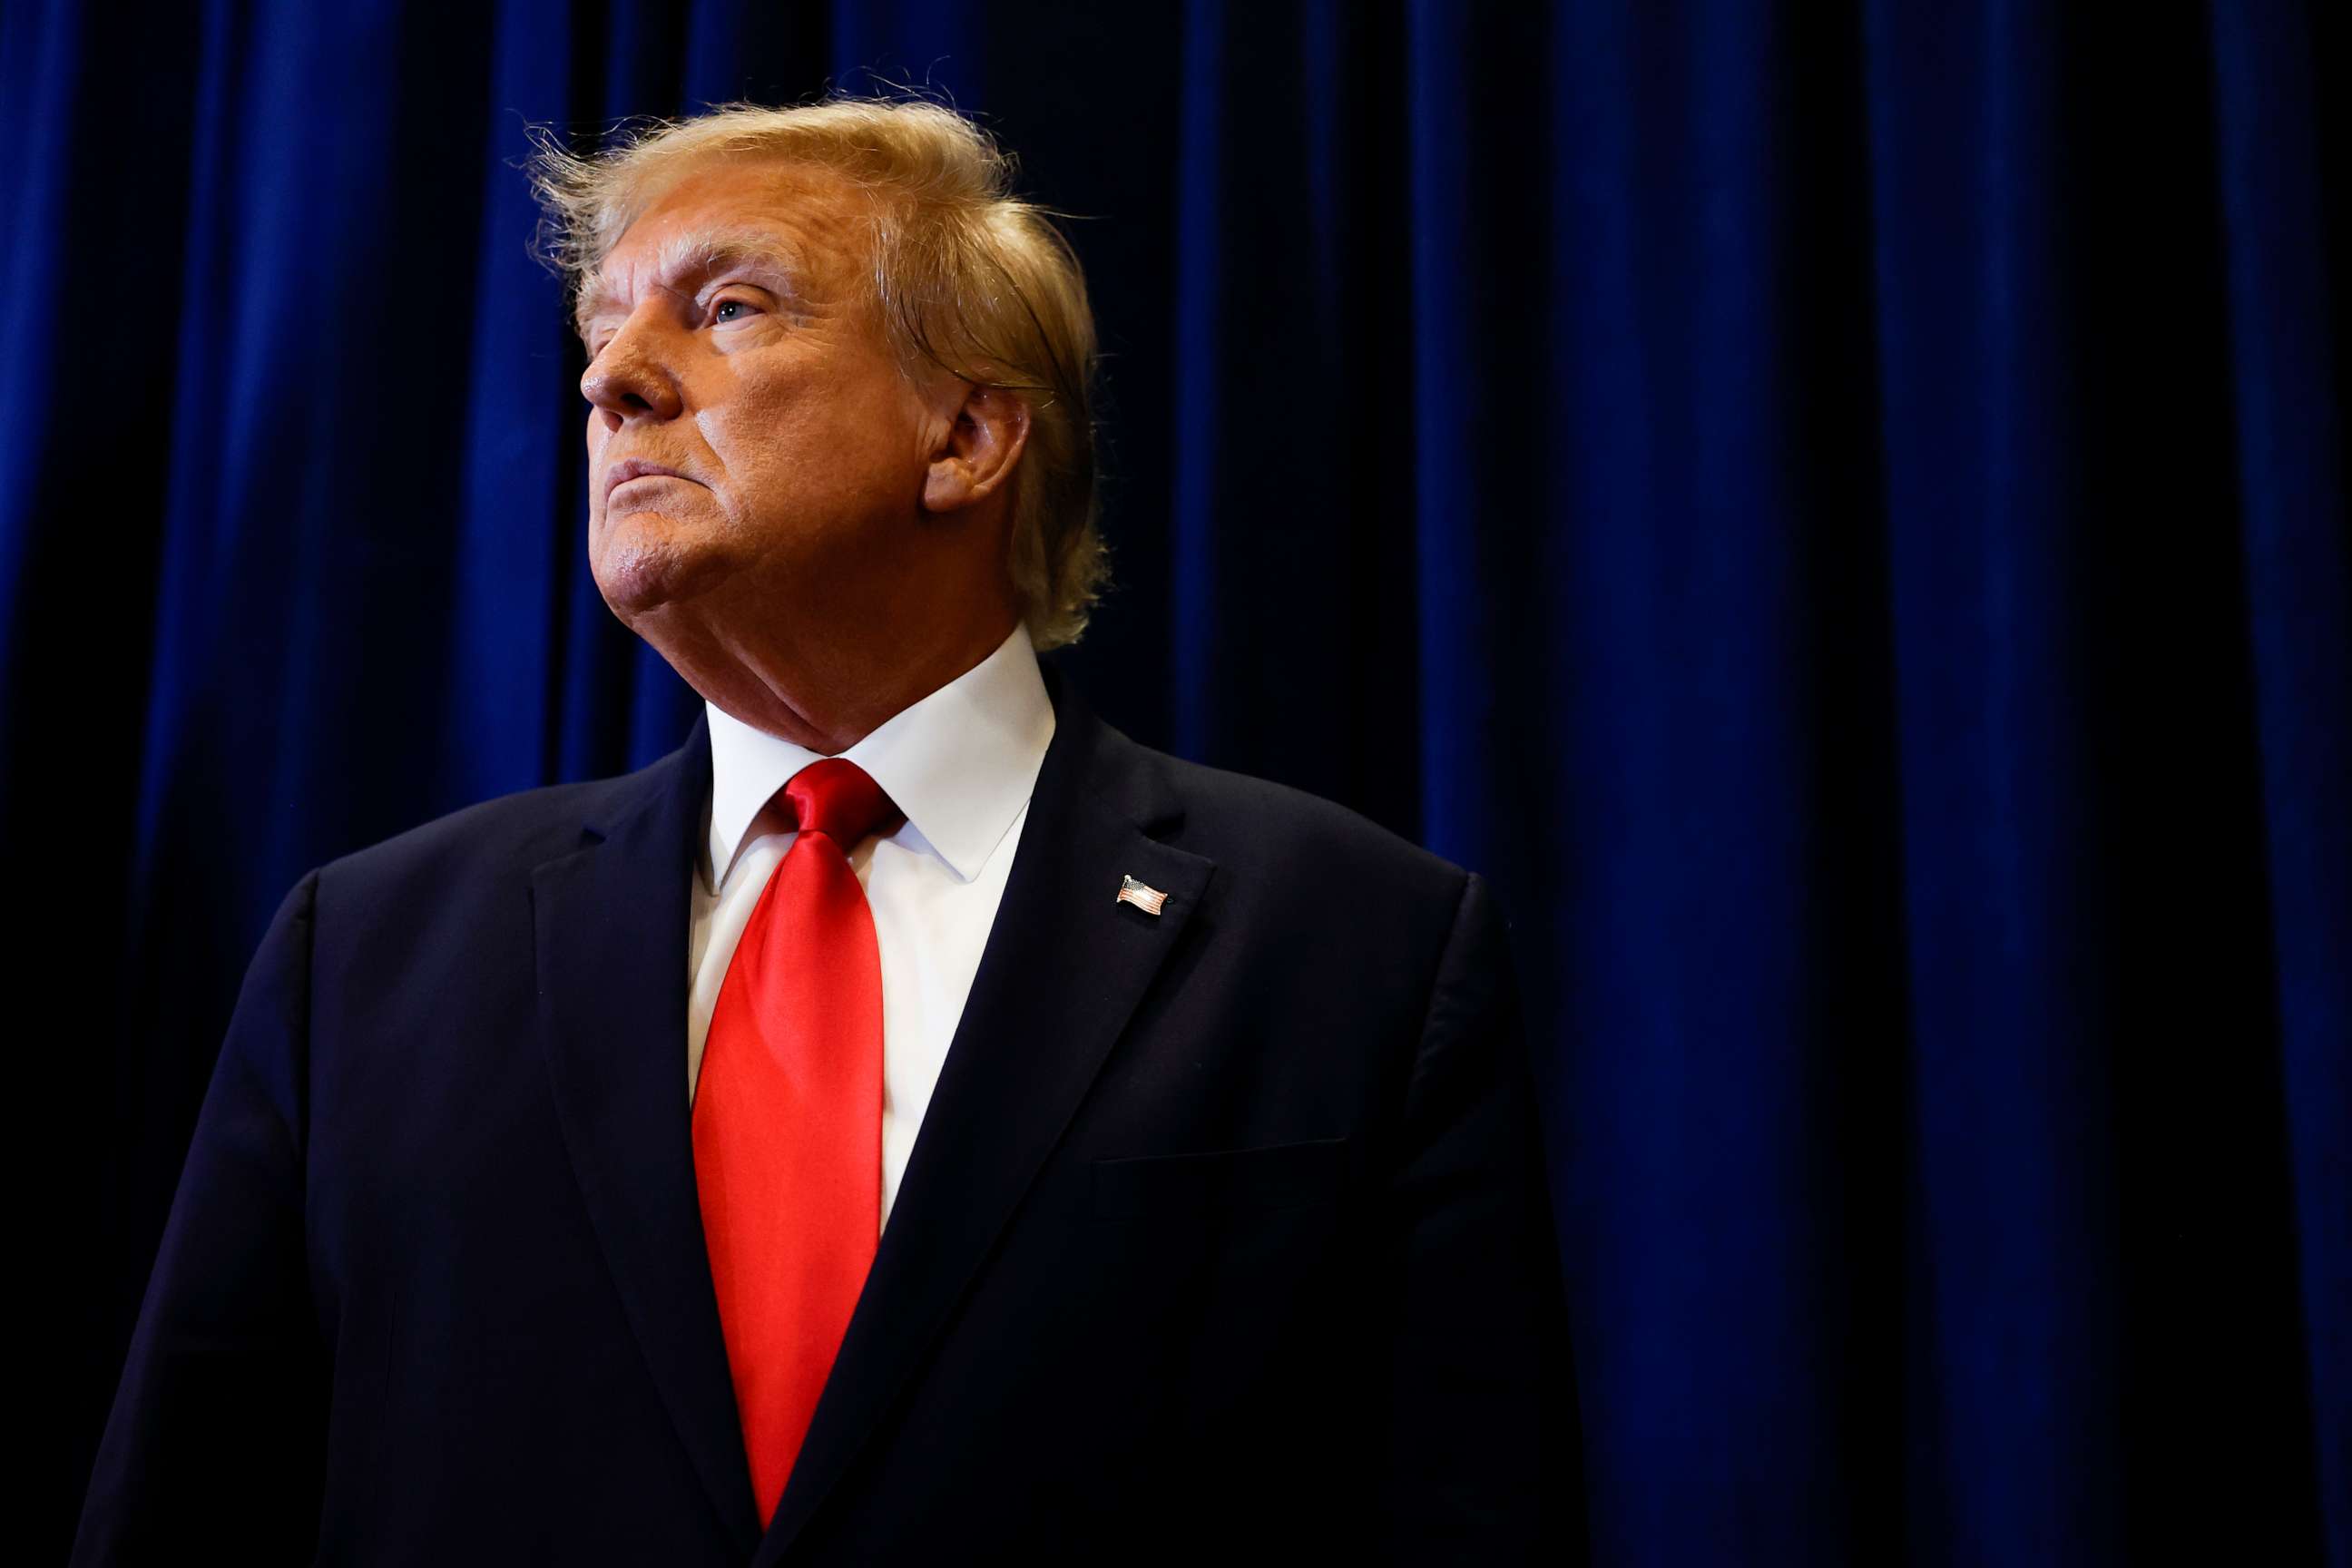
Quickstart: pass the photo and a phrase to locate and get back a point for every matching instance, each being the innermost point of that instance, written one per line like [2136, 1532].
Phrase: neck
[826, 695]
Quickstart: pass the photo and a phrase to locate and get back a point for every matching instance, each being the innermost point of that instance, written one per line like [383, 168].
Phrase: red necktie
[788, 1120]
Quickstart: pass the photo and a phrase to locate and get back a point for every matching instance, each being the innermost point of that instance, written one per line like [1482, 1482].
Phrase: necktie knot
[839, 799]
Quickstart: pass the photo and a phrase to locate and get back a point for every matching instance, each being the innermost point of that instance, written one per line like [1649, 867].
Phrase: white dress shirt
[959, 763]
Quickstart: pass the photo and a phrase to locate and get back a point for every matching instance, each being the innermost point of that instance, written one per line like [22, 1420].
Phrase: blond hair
[965, 274]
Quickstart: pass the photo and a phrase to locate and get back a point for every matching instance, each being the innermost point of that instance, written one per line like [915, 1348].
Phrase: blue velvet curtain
[1839, 508]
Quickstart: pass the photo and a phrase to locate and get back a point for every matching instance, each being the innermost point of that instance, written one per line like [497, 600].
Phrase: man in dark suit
[1084, 1157]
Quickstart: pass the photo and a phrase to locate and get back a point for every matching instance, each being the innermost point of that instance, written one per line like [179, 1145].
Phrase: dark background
[1839, 508]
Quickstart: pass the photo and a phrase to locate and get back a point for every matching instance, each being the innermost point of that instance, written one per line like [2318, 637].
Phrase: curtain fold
[2288, 399]
[1839, 511]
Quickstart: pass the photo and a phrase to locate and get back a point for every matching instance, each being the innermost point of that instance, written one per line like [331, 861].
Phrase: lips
[628, 468]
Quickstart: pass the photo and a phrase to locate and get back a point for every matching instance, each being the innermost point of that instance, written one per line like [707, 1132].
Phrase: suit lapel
[610, 928]
[1064, 968]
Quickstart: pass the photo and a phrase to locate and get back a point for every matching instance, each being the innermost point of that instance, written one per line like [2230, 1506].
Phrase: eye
[718, 311]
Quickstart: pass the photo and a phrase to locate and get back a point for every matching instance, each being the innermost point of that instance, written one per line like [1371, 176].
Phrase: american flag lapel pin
[1143, 897]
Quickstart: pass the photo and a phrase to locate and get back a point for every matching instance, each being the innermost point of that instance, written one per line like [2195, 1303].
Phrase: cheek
[780, 444]
[815, 440]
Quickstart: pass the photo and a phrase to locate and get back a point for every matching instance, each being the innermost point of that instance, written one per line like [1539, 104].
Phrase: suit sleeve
[1483, 1461]
[218, 1433]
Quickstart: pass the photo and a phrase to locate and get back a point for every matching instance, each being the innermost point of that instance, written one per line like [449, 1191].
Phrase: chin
[643, 569]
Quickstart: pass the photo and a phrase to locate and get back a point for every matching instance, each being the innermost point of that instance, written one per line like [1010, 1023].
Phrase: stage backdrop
[1839, 510]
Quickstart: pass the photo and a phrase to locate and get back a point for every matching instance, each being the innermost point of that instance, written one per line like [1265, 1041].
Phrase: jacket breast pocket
[1279, 1175]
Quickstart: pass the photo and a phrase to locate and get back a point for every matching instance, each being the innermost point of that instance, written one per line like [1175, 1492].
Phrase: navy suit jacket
[1226, 1235]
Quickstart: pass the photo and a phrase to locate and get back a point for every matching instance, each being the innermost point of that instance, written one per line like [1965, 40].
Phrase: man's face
[733, 342]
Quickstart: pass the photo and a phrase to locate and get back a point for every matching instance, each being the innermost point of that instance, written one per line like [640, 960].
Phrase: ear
[976, 457]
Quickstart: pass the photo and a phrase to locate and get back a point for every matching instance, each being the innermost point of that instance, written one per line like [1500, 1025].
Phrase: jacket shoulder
[509, 834]
[1279, 830]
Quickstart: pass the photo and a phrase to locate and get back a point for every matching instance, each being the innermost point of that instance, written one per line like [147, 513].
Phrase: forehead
[807, 224]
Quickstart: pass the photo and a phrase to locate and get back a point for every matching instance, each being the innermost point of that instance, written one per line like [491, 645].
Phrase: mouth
[621, 473]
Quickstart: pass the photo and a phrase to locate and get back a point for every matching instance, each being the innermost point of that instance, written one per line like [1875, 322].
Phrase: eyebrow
[689, 258]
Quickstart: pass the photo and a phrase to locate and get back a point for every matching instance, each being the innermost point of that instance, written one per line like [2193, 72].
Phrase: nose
[631, 377]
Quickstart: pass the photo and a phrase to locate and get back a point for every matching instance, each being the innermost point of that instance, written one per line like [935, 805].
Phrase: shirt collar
[960, 763]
